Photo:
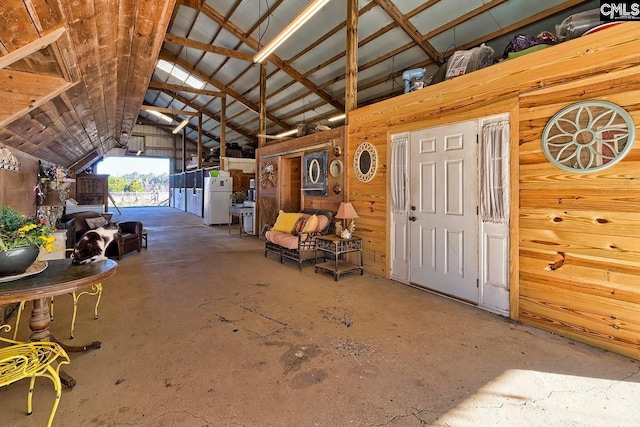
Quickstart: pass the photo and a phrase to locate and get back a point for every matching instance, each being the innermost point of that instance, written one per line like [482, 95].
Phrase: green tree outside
[117, 183]
[136, 186]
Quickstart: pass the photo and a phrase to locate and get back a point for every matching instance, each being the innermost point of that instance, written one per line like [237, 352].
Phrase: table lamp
[345, 212]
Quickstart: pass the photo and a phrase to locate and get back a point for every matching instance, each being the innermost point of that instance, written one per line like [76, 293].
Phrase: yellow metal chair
[30, 360]
[95, 290]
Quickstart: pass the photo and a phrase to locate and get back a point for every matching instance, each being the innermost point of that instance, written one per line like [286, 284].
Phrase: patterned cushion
[96, 222]
[311, 224]
[323, 223]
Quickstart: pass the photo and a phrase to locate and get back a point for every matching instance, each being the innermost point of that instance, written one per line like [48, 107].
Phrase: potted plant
[238, 198]
[21, 239]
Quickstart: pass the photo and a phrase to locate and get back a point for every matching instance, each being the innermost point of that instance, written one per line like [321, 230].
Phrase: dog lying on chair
[92, 246]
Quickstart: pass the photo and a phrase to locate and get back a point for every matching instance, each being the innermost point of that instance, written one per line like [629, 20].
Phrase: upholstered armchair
[129, 239]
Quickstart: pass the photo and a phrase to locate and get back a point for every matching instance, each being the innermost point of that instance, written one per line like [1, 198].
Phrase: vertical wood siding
[587, 225]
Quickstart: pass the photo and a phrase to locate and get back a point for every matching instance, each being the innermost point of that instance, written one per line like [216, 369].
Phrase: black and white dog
[93, 244]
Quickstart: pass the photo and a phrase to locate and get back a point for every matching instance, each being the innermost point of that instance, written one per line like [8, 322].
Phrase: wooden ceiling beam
[178, 88]
[477, 11]
[194, 4]
[337, 57]
[409, 29]
[27, 91]
[426, 5]
[206, 47]
[165, 54]
[32, 47]
[555, 10]
[214, 116]
[240, 35]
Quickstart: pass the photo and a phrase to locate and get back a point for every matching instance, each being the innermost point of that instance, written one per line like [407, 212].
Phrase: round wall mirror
[365, 162]
[335, 168]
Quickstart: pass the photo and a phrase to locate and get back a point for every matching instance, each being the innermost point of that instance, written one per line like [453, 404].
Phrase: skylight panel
[180, 74]
[160, 116]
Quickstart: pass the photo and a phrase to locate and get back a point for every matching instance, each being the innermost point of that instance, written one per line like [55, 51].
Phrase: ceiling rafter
[165, 54]
[237, 32]
[470, 15]
[409, 29]
[330, 60]
[206, 47]
[178, 88]
[557, 9]
[214, 116]
[418, 10]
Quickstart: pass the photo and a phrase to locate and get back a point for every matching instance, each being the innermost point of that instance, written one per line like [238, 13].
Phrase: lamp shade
[346, 211]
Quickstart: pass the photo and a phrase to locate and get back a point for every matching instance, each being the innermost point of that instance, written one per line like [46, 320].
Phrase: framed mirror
[335, 168]
[365, 162]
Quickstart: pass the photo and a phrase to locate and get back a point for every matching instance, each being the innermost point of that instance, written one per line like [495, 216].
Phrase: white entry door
[444, 214]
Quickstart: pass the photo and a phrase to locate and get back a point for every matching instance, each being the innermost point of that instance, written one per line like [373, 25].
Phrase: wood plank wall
[16, 187]
[287, 157]
[587, 219]
[16, 190]
[587, 224]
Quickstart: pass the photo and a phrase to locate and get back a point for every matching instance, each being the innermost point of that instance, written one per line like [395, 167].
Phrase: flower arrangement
[19, 230]
[238, 197]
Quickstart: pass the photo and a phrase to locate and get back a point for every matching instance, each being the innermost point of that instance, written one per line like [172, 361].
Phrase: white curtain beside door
[494, 173]
[399, 207]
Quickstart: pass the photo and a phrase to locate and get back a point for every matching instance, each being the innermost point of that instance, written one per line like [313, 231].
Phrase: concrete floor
[201, 330]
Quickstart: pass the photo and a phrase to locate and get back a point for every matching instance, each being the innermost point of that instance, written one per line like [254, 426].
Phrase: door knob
[412, 218]
[413, 208]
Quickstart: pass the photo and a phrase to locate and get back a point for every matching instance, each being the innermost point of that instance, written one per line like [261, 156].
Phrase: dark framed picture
[315, 173]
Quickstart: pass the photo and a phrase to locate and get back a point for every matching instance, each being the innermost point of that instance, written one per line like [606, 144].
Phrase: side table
[339, 247]
[240, 212]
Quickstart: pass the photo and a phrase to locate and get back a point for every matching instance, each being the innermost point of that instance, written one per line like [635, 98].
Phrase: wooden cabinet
[93, 190]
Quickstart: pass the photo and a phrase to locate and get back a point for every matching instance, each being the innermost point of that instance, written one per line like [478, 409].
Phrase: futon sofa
[293, 235]
[127, 240]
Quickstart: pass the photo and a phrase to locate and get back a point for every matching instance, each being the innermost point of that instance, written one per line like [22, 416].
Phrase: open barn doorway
[137, 181]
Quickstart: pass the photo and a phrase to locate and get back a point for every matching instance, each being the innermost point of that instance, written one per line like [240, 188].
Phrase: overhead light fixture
[338, 117]
[287, 133]
[180, 126]
[297, 22]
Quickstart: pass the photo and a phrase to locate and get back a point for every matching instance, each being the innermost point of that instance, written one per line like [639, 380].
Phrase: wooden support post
[351, 72]
[263, 104]
[199, 141]
[223, 127]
